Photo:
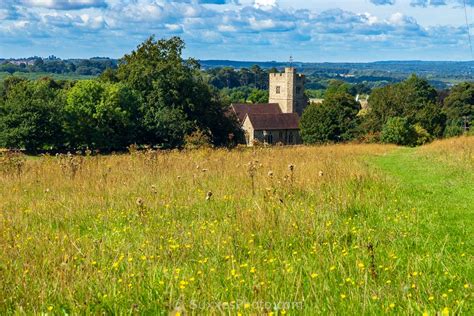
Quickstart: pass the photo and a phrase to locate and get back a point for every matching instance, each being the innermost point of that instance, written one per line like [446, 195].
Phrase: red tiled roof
[241, 110]
[279, 121]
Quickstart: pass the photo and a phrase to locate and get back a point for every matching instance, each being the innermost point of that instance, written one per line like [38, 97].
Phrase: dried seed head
[140, 202]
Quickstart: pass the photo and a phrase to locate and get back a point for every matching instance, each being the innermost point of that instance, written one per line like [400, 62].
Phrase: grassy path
[442, 190]
[443, 196]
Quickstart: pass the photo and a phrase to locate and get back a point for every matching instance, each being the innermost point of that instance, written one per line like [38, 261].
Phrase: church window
[278, 90]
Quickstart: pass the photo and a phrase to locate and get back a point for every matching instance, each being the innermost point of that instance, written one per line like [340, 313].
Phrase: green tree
[258, 96]
[109, 75]
[398, 131]
[454, 128]
[31, 115]
[413, 99]
[174, 95]
[238, 96]
[335, 87]
[100, 115]
[333, 121]
[459, 104]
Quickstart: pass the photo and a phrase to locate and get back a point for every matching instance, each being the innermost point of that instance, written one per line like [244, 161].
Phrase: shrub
[196, 140]
[398, 131]
[453, 129]
[422, 135]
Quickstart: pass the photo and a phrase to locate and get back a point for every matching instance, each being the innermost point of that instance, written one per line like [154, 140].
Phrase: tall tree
[459, 104]
[175, 98]
[31, 115]
[414, 99]
[101, 115]
[334, 120]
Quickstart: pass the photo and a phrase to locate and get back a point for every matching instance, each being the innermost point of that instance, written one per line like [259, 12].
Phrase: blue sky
[309, 30]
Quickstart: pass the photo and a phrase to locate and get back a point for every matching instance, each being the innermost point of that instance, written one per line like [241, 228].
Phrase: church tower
[287, 89]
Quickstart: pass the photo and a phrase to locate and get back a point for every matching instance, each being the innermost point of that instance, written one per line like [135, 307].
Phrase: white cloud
[65, 4]
[265, 4]
[242, 27]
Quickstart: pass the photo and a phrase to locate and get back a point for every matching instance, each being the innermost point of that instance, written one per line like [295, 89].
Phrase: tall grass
[315, 230]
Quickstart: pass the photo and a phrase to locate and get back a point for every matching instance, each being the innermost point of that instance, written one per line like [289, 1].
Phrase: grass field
[341, 230]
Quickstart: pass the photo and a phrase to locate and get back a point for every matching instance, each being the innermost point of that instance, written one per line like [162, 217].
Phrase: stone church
[277, 121]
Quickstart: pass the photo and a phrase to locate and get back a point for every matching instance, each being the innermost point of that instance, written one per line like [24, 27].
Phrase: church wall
[273, 137]
[290, 86]
[249, 131]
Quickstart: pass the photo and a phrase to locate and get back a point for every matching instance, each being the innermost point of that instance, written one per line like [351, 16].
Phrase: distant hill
[440, 73]
[422, 68]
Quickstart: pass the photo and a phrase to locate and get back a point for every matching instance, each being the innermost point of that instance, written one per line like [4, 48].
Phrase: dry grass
[161, 232]
[455, 151]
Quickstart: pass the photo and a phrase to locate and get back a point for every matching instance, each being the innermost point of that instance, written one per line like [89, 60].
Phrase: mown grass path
[442, 193]
[435, 187]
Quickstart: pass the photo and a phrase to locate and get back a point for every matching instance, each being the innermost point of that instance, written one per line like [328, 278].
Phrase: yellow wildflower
[445, 311]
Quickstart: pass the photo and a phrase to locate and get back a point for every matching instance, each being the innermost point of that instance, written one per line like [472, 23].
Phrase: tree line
[85, 67]
[154, 97]
[409, 113]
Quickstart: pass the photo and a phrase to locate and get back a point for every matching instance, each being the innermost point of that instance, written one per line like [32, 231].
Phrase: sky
[254, 30]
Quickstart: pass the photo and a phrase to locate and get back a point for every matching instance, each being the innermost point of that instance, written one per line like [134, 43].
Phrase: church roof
[242, 109]
[279, 121]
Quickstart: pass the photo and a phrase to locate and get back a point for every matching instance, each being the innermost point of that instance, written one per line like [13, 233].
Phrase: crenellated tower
[287, 89]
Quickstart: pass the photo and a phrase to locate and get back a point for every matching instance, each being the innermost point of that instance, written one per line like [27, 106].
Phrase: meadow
[333, 230]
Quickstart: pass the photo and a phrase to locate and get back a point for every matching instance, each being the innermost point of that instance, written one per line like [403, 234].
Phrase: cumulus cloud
[265, 4]
[203, 23]
[65, 4]
[438, 3]
[427, 3]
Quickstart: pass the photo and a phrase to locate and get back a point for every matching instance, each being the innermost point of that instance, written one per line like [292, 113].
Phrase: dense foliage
[334, 120]
[101, 115]
[154, 98]
[31, 114]
[398, 131]
[408, 113]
